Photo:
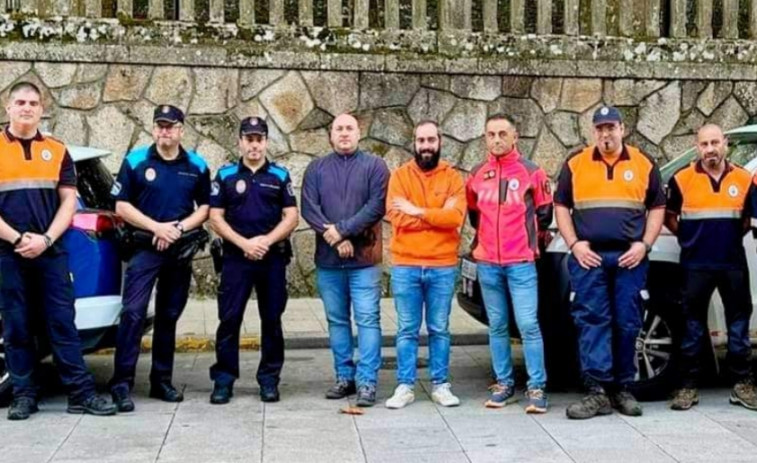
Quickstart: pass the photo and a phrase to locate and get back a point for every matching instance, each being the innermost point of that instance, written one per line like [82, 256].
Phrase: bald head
[345, 134]
[712, 146]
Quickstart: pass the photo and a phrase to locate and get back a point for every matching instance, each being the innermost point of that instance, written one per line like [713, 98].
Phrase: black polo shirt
[253, 202]
[163, 190]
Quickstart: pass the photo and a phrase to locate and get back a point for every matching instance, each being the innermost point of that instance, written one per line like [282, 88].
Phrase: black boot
[92, 405]
[221, 394]
[21, 408]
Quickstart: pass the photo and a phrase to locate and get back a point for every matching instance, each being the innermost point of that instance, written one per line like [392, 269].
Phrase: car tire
[657, 352]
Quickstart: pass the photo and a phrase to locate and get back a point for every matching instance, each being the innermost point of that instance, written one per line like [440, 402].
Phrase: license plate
[468, 270]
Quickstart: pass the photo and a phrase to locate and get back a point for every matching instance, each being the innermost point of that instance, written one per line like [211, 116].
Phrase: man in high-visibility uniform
[706, 210]
[609, 206]
[37, 204]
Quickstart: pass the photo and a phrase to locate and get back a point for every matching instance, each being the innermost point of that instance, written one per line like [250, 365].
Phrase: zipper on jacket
[499, 205]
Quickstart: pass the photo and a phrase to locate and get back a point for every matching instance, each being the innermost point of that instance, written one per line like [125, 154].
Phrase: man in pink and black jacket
[510, 202]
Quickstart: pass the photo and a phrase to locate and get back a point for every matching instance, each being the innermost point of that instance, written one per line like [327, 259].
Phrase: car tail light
[96, 222]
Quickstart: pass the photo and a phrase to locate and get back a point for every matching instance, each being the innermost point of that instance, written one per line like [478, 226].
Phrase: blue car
[96, 267]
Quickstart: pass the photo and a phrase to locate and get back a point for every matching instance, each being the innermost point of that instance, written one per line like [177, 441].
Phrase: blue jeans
[607, 312]
[521, 281]
[414, 287]
[361, 289]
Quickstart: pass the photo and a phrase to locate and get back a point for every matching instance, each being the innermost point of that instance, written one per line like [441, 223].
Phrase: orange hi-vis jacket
[433, 239]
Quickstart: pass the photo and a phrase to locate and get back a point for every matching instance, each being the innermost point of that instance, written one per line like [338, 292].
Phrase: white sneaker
[403, 396]
[442, 394]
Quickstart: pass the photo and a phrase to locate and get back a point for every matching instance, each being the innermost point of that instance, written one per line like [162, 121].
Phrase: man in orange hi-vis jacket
[426, 206]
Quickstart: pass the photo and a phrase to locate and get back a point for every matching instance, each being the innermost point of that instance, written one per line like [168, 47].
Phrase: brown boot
[744, 393]
[684, 399]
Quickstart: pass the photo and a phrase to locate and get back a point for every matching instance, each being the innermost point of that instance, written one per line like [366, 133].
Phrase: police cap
[168, 113]
[253, 125]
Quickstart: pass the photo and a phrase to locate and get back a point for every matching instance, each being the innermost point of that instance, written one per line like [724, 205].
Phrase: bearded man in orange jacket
[426, 206]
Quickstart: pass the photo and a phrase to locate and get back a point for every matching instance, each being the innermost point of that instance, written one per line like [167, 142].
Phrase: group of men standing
[609, 204]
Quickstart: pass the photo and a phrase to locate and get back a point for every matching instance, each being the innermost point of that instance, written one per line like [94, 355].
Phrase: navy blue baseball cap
[168, 113]
[606, 115]
[253, 125]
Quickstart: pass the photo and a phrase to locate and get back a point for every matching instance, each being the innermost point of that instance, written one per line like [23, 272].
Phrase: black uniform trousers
[238, 277]
[173, 278]
[36, 293]
[698, 287]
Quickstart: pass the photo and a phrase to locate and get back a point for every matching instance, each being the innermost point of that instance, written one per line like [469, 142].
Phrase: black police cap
[253, 125]
[168, 113]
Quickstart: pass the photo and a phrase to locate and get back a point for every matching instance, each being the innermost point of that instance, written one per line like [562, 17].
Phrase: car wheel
[656, 355]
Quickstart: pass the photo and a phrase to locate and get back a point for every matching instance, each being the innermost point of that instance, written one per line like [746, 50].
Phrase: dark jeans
[34, 290]
[698, 287]
[173, 278]
[238, 277]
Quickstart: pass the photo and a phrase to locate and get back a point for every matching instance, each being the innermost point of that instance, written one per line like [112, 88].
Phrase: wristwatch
[180, 226]
[48, 240]
[18, 240]
[647, 246]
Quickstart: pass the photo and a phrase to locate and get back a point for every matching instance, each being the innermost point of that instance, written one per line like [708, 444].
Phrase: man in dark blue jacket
[343, 197]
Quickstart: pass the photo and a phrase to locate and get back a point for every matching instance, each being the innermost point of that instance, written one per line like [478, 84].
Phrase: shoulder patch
[137, 156]
[197, 161]
[279, 171]
[227, 171]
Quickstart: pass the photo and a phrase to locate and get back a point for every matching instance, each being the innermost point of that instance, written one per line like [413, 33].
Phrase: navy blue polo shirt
[163, 190]
[253, 203]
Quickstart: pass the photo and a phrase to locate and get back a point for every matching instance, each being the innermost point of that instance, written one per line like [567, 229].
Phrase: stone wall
[110, 106]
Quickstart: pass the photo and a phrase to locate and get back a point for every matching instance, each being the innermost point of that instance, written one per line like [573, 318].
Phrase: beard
[427, 163]
[712, 161]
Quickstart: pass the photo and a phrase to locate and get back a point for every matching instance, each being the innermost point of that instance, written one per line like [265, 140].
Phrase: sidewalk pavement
[304, 324]
[305, 427]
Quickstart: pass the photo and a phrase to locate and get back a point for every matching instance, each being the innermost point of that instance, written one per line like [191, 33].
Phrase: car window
[94, 182]
[740, 152]
[743, 152]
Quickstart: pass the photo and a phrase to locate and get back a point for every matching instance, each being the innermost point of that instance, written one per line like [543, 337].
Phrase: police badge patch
[733, 191]
[150, 174]
[46, 155]
[215, 189]
[241, 186]
[628, 175]
[290, 189]
[115, 189]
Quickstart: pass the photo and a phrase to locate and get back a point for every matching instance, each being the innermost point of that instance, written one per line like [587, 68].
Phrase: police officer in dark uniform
[254, 209]
[37, 203]
[164, 190]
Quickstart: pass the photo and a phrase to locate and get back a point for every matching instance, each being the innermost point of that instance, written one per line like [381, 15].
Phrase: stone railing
[639, 19]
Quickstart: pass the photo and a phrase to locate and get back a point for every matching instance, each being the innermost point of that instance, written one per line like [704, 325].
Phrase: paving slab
[305, 427]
